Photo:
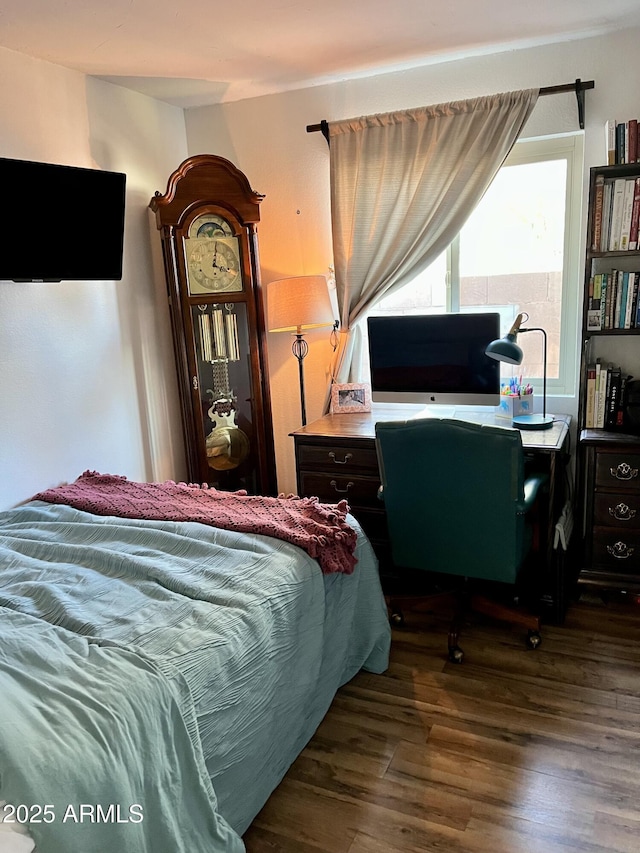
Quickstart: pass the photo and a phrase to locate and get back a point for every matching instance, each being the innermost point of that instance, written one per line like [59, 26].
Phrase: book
[601, 406]
[606, 299]
[615, 320]
[589, 420]
[632, 156]
[613, 399]
[630, 283]
[616, 214]
[635, 217]
[633, 313]
[612, 281]
[624, 289]
[594, 316]
[622, 402]
[610, 141]
[626, 142]
[620, 133]
[607, 396]
[627, 210]
[596, 241]
[606, 215]
[603, 300]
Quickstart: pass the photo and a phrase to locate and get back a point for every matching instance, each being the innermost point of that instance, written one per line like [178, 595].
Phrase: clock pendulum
[227, 446]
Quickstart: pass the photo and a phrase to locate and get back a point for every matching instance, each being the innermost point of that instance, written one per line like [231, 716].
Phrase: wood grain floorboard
[514, 751]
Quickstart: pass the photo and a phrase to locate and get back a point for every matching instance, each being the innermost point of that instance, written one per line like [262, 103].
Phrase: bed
[158, 676]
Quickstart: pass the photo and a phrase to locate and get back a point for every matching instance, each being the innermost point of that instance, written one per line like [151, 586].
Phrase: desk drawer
[339, 458]
[620, 471]
[617, 509]
[616, 550]
[331, 488]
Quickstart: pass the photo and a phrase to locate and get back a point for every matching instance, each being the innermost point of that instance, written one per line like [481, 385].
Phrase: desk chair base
[461, 604]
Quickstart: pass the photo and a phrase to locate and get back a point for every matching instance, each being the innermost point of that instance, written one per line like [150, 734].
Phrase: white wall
[266, 138]
[86, 374]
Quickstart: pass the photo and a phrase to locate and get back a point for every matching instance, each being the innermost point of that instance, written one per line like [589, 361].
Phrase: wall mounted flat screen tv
[434, 358]
[60, 223]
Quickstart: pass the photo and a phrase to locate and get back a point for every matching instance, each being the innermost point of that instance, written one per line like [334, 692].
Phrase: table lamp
[294, 305]
[506, 349]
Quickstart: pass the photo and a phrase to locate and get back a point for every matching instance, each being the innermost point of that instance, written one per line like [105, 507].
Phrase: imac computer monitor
[434, 359]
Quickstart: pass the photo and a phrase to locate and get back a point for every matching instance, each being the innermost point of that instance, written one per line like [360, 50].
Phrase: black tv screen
[434, 358]
[60, 222]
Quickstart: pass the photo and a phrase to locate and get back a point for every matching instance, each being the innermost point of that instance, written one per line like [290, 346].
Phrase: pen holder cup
[512, 406]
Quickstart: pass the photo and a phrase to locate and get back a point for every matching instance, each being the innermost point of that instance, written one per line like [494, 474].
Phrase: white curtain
[402, 186]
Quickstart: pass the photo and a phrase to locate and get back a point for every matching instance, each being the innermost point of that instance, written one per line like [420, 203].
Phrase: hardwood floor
[514, 751]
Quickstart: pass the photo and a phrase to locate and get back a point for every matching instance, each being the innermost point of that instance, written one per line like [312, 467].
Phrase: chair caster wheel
[397, 618]
[456, 655]
[533, 639]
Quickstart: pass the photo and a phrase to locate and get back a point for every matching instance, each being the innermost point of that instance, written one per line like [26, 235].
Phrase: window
[518, 251]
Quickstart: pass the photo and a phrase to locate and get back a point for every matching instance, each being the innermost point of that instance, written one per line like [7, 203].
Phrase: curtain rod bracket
[580, 99]
[322, 127]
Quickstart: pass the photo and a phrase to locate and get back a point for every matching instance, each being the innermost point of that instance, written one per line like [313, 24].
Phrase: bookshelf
[609, 443]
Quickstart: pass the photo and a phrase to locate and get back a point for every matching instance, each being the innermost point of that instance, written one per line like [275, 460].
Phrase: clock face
[213, 256]
[213, 265]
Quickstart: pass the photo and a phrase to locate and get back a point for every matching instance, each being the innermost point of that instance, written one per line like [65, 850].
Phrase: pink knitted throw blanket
[320, 529]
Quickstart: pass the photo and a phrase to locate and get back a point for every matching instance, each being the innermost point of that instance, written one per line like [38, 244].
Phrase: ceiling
[191, 55]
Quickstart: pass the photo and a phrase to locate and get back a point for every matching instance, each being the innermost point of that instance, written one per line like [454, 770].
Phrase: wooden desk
[336, 458]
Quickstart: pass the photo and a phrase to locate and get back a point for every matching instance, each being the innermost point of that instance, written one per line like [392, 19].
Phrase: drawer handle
[347, 457]
[340, 491]
[620, 551]
[622, 512]
[624, 471]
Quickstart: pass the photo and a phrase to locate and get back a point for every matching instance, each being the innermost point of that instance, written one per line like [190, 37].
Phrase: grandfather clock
[207, 220]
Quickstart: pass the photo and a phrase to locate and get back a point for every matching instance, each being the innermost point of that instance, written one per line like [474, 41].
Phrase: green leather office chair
[457, 502]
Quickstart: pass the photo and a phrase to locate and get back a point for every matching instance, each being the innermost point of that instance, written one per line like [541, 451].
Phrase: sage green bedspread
[167, 665]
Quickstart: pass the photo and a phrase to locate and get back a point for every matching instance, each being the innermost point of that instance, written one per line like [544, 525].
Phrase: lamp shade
[506, 349]
[300, 302]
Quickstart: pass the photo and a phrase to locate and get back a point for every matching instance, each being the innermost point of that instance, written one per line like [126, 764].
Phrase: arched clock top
[206, 177]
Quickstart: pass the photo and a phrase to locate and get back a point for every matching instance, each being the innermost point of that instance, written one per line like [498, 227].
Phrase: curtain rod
[579, 87]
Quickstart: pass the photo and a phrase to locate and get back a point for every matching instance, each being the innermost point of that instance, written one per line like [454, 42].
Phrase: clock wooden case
[207, 220]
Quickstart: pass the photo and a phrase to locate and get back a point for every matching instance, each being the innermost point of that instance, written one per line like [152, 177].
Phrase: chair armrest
[532, 486]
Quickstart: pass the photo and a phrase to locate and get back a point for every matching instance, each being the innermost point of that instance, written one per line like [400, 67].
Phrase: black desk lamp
[296, 304]
[506, 349]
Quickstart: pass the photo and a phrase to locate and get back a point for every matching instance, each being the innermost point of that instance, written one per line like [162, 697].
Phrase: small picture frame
[353, 397]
